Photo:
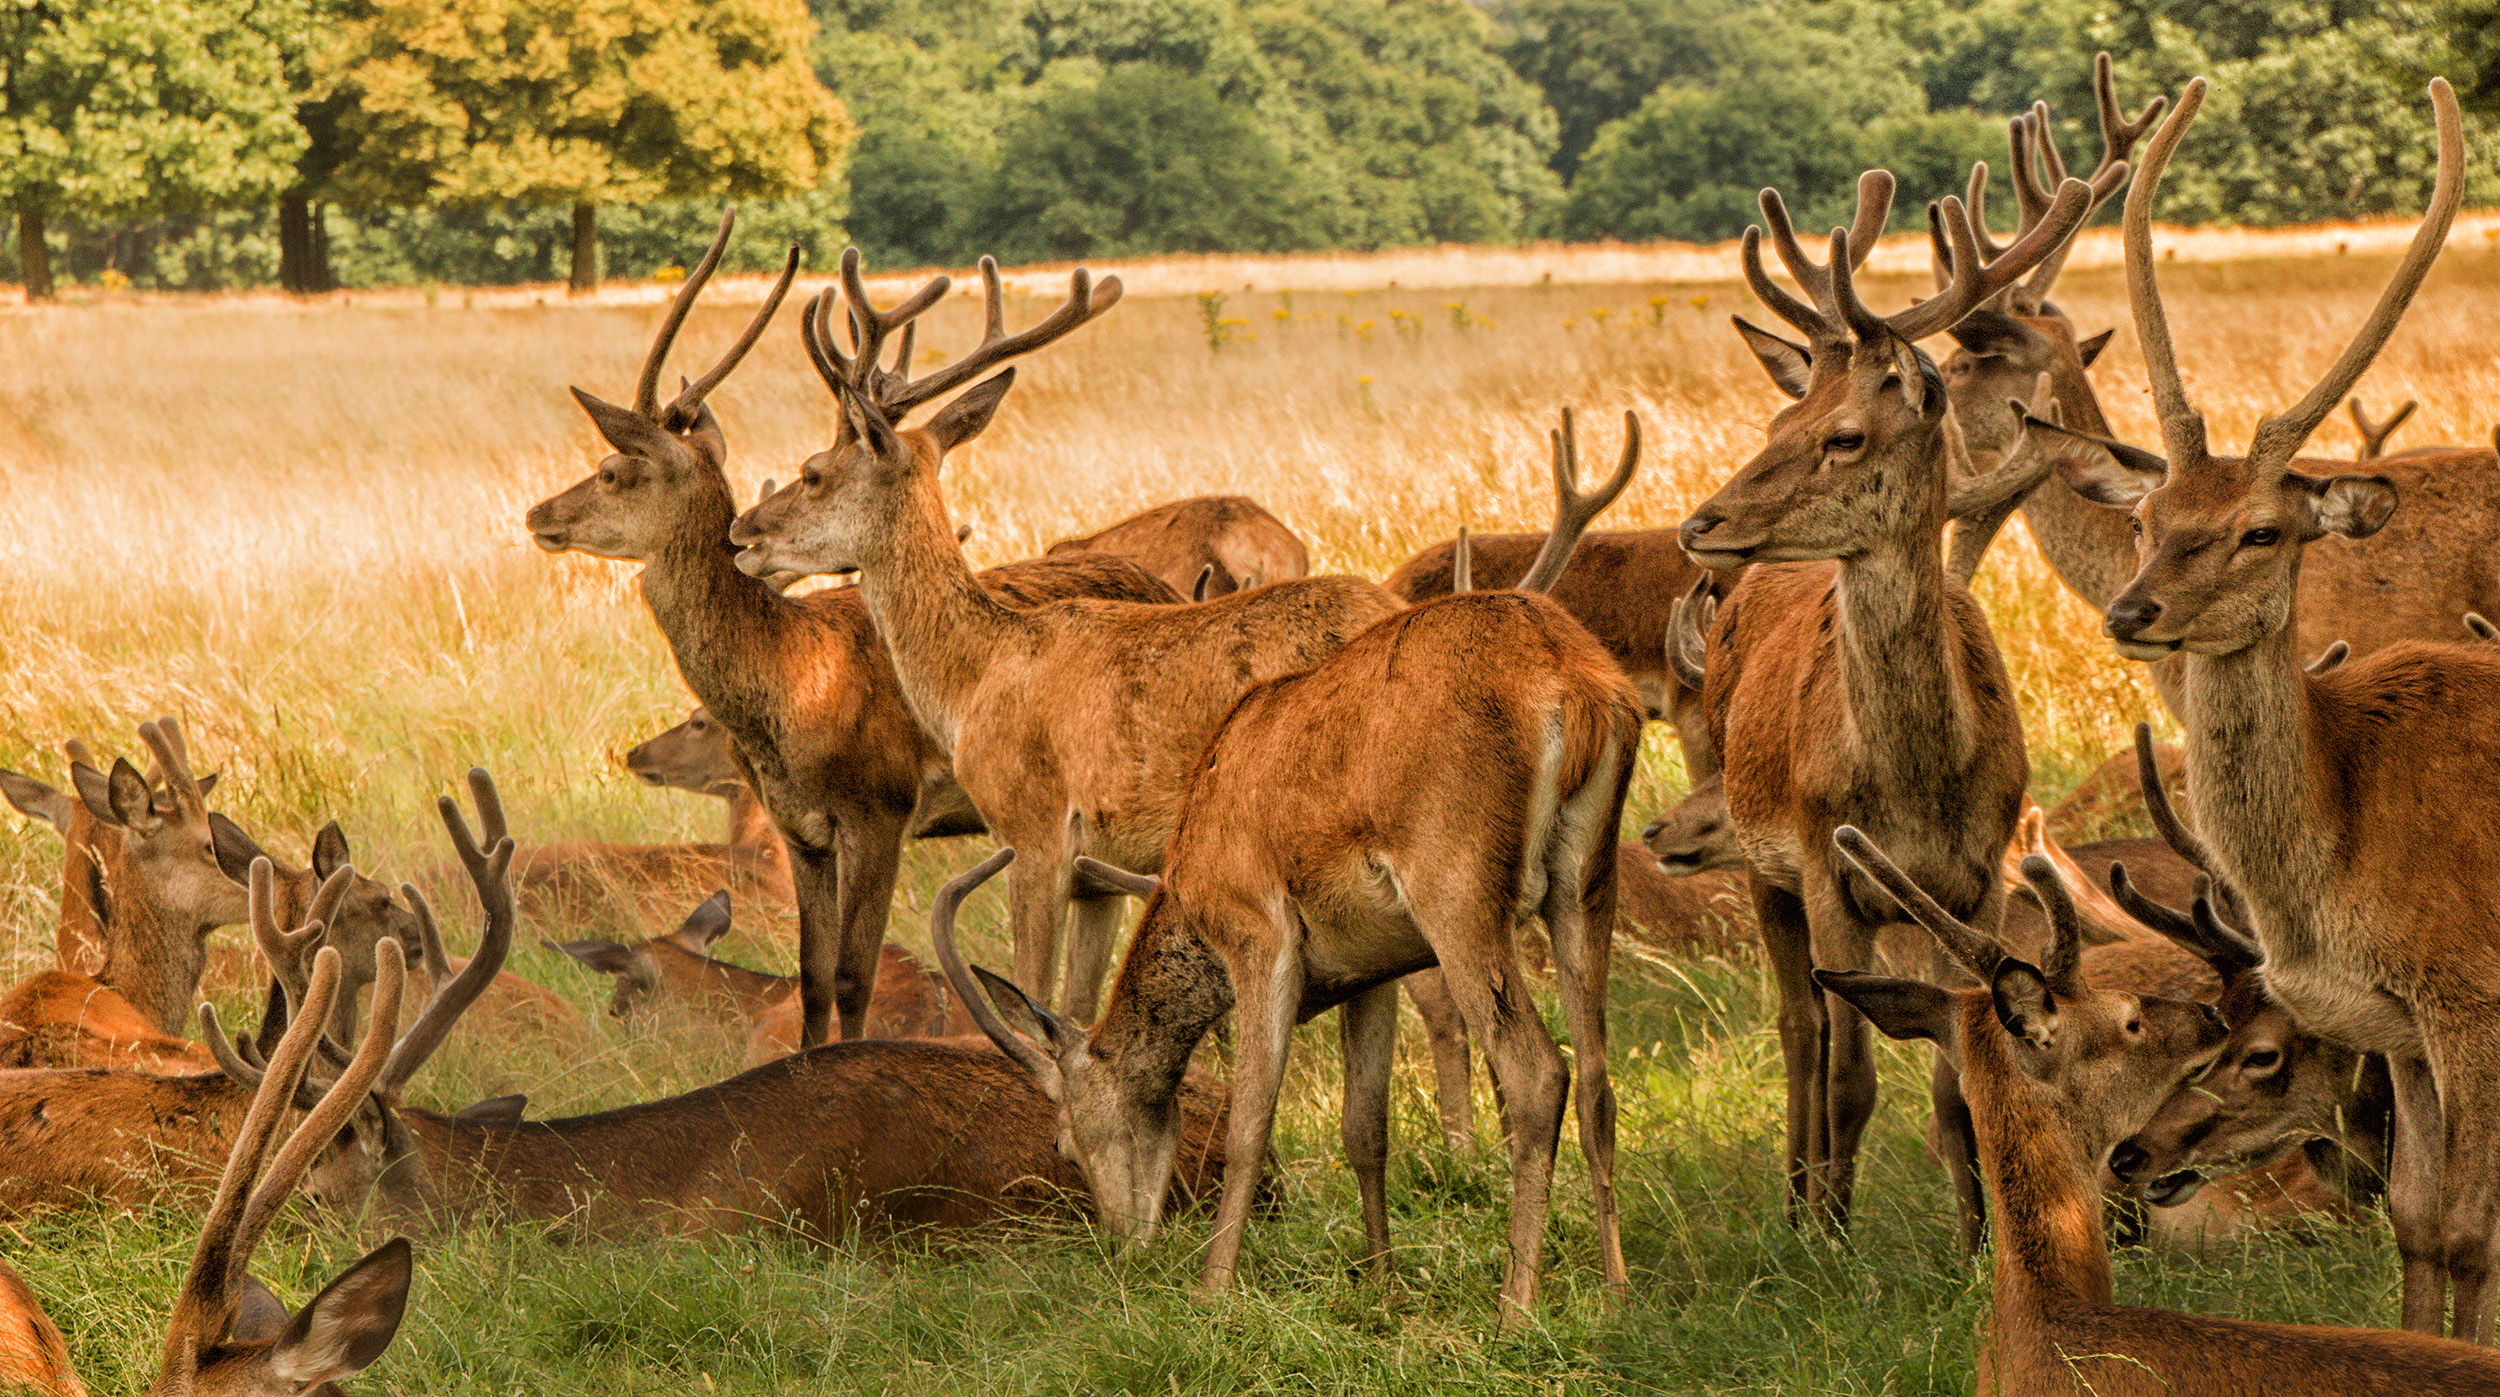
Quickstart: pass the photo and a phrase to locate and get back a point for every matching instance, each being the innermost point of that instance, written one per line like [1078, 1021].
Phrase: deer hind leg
[1453, 1082]
[2469, 1192]
[869, 854]
[1582, 932]
[1786, 942]
[1839, 943]
[2415, 1168]
[1266, 1000]
[1095, 930]
[1367, 1037]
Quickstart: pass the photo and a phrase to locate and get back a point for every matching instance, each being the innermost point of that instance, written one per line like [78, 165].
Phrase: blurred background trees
[313, 143]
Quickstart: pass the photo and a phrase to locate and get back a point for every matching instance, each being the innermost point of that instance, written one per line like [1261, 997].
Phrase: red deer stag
[1225, 542]
[1073, 726]
[1322, 854]
[804, 682]
[2054, 1324]
[1864, 691]
[2345, 809]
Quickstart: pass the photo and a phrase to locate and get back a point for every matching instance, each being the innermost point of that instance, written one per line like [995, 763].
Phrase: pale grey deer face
[1124, 1147]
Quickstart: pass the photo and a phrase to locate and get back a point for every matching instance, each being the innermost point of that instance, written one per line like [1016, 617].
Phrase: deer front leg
[1266, 998]
[1095, 931]
[1840, 943]
[869, 851]
[2415, 1166]
[1453, 1081]
[2469, 1188]
[816, 875]
[1786, 943]
[1037, 893]
[1367, 1037]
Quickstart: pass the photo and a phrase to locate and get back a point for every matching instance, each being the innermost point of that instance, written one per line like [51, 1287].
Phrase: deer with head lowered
[802, 682]
[1204, 546]
[2348, 810]
[2054, 1324]
[1074, 726]
[1865, 690]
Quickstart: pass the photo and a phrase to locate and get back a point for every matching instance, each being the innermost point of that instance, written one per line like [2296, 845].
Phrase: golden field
[297, 526]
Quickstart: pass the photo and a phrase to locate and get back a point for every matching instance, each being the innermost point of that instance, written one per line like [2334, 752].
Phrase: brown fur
[57, 1019]
[33, 1355]
[1244, 544]
[120, 1137]
[2112, 794]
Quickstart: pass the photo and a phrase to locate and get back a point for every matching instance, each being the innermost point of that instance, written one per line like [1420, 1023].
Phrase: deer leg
[1266, 999]
[1037, 903]
[1956, 1142]
[1839, 943]
[1583, 938]
[2469, 1194]
[816, 874]
[1095, 931]
[2415, 1165]
[868, 855]
[1453, 1083]
[1786, 940]
[1367, 1037]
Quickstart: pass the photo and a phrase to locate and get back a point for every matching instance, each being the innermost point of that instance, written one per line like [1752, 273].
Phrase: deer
[2342, 808]
[1850, 679]
[803, 683]
[2410, 580]
[699, 755]
[2054, 1324]
[1209, 545]
[1074, 726]
[228, 1336]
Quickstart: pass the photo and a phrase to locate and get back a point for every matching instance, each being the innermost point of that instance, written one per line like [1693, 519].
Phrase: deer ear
[2024, 1004]
[494, 1109]
[626, 430]
[126, 793]
[349, 1323]
[1903, 1009]
[207, 783]
[2100, 469]
[1027, 1017]
[705, 433]
[969, 414]
[259, 1315]
[235, 850]
[32, 797]
[707, 923]
[329, 851]
[2354, 506]
[1790, 365]
[2091, 349]
[606, 957]
[93, 791]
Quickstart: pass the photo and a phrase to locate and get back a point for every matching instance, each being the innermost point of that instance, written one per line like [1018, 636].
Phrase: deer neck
[1904, 692]
[2089, 546]
[2049, 1251]
[1173, 987]
[2252, 744]
[149, 959]
[719, 622]
[939, 623]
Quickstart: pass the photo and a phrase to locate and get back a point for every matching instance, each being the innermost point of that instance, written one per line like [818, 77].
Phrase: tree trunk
[585, 249]
[303, 247]
[34, 260]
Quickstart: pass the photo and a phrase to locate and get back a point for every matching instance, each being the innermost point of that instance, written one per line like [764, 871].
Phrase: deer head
[638, 974]
[697, 755]
[2219, 539]
[1859, 455]
[357, 912]
[666, 455]
[851, 502]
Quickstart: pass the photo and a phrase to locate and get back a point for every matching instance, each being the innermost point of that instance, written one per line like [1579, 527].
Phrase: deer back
[1234, 535]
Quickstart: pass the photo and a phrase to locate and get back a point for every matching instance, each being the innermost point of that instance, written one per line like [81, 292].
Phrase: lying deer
[838, 759]
[2054, 1324]
[699, 755]
[1205, 546]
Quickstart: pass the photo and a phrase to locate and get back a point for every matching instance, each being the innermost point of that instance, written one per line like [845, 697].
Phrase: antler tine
[1574, 509]
[429, 935]
[1975, 951]
[235, 1058]
[1975, 198]
[2182, 426]
[2174, 832]
[1086, 300]
[2215, 931]
[647, 388]
[2374, 435]
[165, 745]
[1852, 248]
[942, 941]
[2024, 465]
[206, 1304]
[1802, 317]
[1976, 282]
[870, 326]
[2064, 969]
[2119, 133]
[2169, 921]
[492, 874]
[285, 951]
[680, 413]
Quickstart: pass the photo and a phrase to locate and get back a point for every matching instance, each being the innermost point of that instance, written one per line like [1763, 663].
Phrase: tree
[583, 102]
[132, 110]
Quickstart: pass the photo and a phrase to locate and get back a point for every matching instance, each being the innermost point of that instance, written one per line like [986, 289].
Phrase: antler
[1976, 951]
[2032, 143]
[490, 870]
[680, 412]
[1852, 248]
[173, 758]
[1688, 630]
[942, 941]
[1977, 279]
[2374, 435]
[1978, 505]
[2064, 970]
[893, 393]
[1575, 510]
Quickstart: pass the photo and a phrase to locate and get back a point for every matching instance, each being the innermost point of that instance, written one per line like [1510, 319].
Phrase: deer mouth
[550, 540]
[2173, 1189]
[2147, 649]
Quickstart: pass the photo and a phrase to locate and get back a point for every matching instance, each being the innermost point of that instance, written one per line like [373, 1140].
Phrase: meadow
[297, 527]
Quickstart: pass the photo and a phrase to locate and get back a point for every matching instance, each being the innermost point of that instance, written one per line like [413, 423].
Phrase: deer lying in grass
[228, 1336]
[1229, 542]
[2054, 1324]
[699, 755]
[2350, 811]
[803, 682]
[1321, 854]
[1074, 726]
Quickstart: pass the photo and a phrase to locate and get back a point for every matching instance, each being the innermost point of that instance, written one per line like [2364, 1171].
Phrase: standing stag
[1409, 801]
[1866, 690]
[2349, 810]
[1074, 726]
[803, 683]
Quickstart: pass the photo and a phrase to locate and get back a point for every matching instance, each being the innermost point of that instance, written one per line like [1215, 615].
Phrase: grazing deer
[802, 682]
[1074, 726]
[228, 1336]
[2054, 1324]
[1214, 545]
[2343, 808]
[1321, 855]
[1867, 690]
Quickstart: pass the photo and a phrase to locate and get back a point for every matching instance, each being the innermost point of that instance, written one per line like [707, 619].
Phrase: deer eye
[1844, 441]
[2135, 526]
[811, 478]
[2263, 1059]
[2135, 1025]
[607, 477]
[2261, 538]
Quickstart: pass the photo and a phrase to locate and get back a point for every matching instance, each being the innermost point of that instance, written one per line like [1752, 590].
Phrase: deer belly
[2341, 1003]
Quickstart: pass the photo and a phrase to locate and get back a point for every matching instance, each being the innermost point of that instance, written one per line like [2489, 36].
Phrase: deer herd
[1320, 788]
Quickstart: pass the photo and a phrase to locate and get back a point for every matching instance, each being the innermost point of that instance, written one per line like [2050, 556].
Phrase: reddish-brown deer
[802, 682]
[1074, 726]
[2347, 809]
[1205, 546]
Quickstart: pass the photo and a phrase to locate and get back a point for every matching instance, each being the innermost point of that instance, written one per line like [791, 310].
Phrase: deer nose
[1651, 832]
[2127, 1159]
[2129, 616]
[1697, 529]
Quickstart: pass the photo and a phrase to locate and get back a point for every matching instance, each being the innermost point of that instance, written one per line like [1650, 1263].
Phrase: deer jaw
[2218, 558]
[1824, 484]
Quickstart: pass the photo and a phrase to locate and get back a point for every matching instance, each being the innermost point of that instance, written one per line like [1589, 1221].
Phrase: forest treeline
[205, 144]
